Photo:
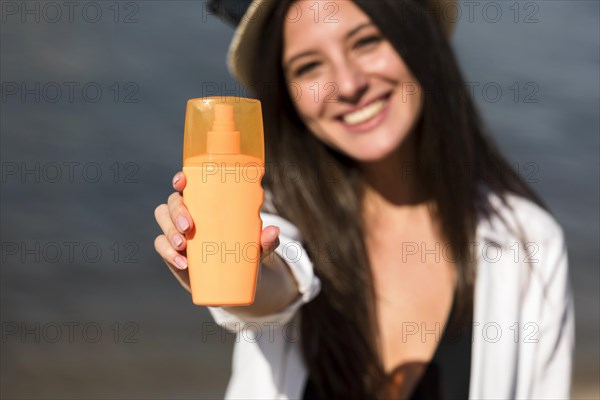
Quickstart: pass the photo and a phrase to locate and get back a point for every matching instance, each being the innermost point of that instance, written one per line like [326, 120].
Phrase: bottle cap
[223, 125]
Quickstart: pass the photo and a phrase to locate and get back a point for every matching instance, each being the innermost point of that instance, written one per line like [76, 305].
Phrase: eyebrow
[346, 37]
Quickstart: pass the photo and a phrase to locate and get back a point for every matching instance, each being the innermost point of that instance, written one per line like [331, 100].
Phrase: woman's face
[348, 83]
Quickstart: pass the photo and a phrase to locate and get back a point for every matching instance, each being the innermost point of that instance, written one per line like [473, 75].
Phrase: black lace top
[447, 374]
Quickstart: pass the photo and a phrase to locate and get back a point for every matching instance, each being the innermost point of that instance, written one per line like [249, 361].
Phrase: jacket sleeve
[553, 360]
[294, 254]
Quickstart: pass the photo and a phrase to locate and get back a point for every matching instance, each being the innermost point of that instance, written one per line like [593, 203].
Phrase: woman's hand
[175, 221]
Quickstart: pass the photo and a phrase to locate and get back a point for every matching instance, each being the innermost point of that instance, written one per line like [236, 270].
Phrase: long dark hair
[455, 160]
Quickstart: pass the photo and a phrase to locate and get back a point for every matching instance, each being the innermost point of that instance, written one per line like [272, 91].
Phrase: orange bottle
[223, 163]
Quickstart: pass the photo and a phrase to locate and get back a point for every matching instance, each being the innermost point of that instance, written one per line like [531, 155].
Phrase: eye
[306, 68]
[368, 40]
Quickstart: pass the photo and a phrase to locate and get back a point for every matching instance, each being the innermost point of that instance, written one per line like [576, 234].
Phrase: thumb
[269, 241]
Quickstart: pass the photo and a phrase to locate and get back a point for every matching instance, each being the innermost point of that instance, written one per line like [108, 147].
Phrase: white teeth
[364, 113]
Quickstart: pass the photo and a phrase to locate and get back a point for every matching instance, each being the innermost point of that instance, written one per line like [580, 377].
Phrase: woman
[405, 215]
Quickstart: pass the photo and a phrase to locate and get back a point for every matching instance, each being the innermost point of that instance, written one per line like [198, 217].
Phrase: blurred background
[92, 110]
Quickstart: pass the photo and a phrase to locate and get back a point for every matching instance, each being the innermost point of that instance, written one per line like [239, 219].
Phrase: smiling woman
[394, 236]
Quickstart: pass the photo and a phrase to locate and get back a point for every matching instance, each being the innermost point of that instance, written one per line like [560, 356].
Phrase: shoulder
[528, 235]
[519, 218]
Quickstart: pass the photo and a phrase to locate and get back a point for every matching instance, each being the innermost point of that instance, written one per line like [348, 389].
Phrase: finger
[179, 213]
[163, 218]
[168, 253]
[269, 241]
[179, 181]
[170, 257]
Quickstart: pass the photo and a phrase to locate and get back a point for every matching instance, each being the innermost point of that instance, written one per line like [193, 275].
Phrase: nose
[351, 82]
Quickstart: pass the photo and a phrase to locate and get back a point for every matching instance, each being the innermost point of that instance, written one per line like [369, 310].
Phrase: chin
[369, 154]
[374, 147]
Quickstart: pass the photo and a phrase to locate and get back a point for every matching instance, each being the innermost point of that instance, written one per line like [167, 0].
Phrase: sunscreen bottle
[223, 163]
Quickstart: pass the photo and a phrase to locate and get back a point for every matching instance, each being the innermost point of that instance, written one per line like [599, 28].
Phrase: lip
[366, 103]
[373, 122]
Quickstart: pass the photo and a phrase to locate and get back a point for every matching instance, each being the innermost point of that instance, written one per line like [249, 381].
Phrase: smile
[367, 117]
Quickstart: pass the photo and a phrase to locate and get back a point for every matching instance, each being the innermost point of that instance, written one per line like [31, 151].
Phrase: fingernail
[177, 240]
[176, 178]
[182, 223]
[180, 262]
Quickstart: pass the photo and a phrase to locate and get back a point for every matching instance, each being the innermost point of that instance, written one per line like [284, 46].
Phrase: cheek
[304, 108]
[308, 107]
[409, 91]
[415, 101]
[411, 97]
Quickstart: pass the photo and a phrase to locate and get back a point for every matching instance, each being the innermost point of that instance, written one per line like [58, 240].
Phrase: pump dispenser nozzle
[223, 138]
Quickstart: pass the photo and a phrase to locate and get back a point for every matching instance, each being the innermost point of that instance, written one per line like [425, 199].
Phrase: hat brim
[242, 50]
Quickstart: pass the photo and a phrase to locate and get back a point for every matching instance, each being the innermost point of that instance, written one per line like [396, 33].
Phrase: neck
[392, 182]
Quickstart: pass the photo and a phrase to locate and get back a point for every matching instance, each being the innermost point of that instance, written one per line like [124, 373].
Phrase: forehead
[309, 20]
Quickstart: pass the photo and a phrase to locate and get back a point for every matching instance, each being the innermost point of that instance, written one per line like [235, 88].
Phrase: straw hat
[250, 16]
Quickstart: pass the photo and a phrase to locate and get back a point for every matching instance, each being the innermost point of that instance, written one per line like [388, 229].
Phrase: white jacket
[523, 325]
